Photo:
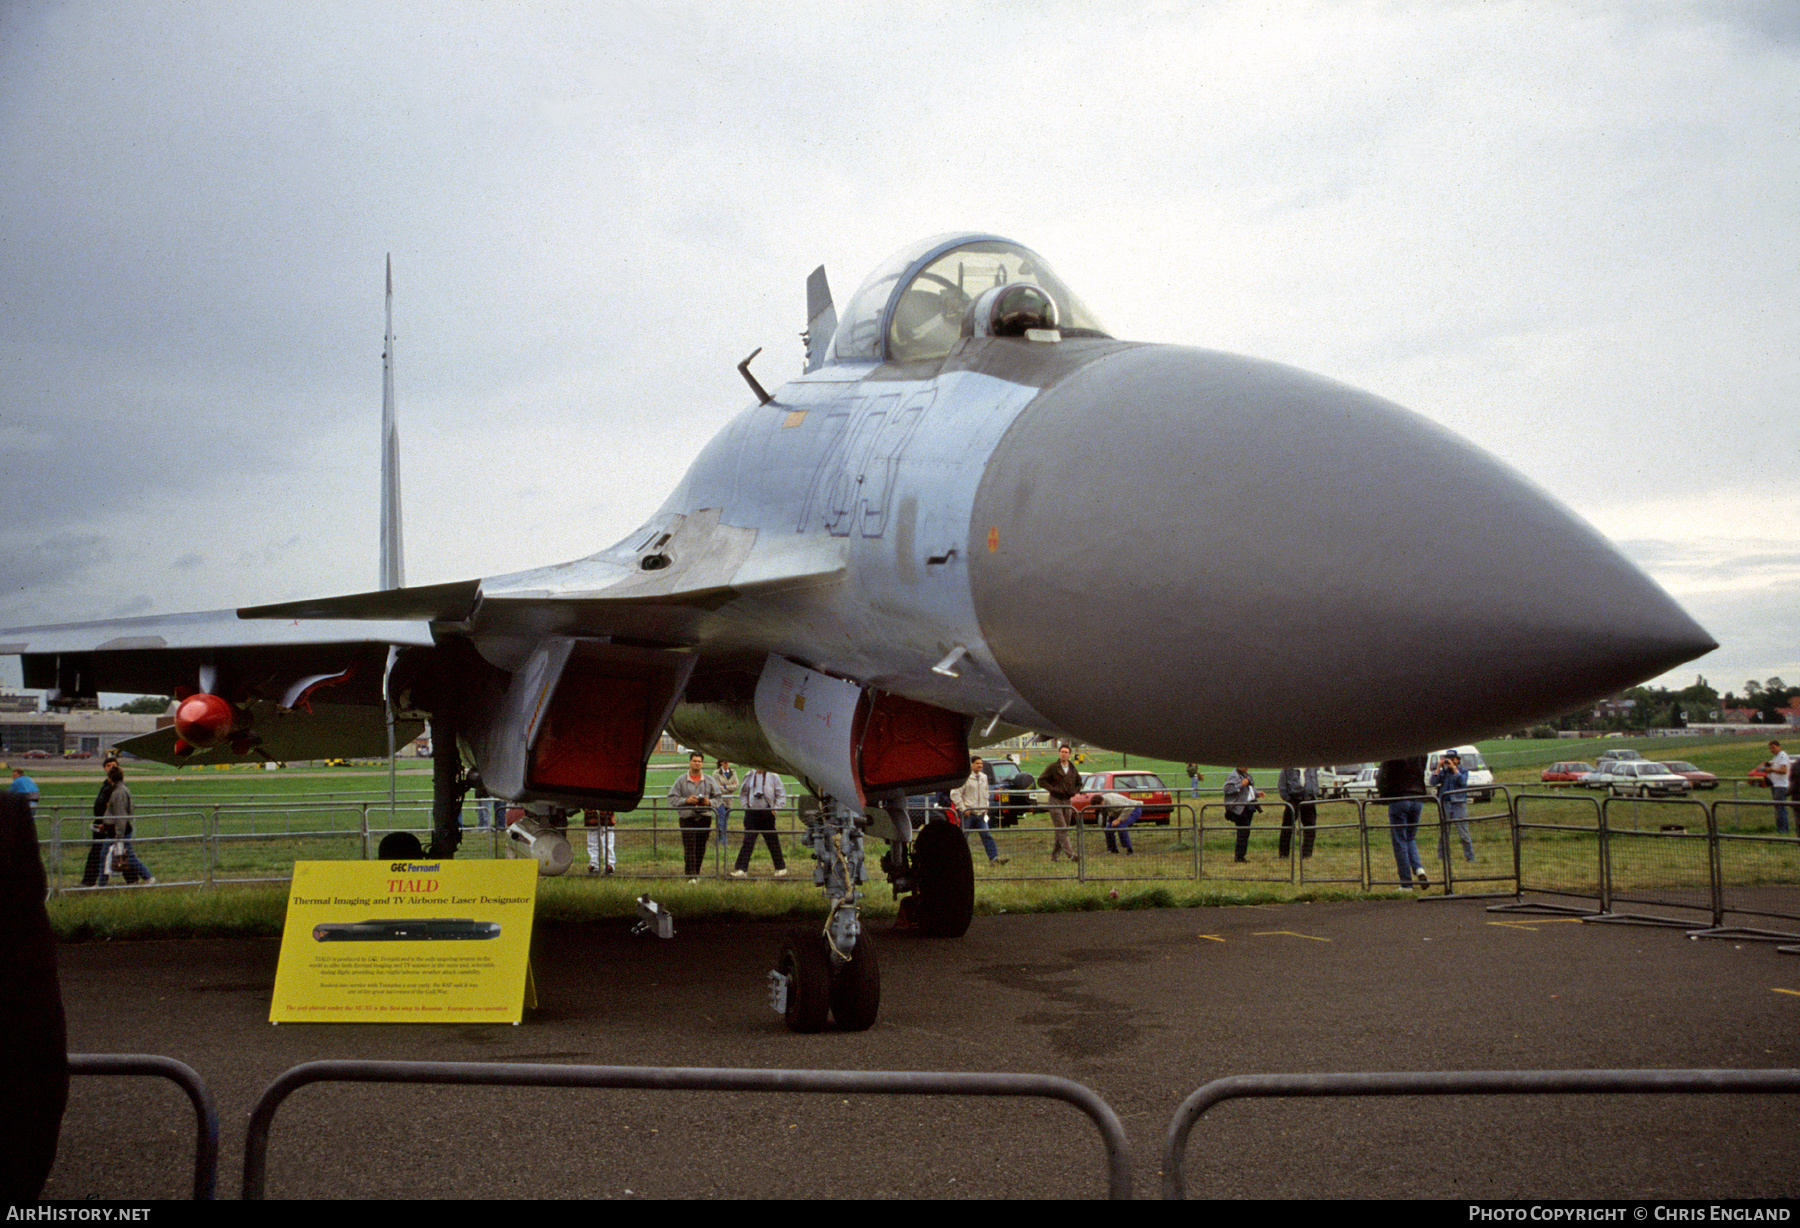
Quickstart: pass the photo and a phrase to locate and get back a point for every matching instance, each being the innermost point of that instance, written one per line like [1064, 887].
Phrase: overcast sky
[1570, 232]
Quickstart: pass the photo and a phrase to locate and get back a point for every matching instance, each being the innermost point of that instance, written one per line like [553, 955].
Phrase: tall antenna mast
[393, 567]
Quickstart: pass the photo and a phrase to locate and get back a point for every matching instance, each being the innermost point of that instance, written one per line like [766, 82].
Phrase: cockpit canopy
[918, 303]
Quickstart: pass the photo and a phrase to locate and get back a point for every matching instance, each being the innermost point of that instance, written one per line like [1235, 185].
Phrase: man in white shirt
[1776, 765]
[762, 794]
[971, 801]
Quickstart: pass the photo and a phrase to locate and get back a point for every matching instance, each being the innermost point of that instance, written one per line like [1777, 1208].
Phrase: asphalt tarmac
[1141, 1006]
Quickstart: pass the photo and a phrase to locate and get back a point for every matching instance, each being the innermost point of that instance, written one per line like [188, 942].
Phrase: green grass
[257, 911]
[154, 912]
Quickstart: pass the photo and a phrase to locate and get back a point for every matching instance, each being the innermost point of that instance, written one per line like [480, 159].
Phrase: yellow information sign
[427, 941]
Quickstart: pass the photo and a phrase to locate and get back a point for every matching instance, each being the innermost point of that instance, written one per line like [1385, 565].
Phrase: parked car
[1693, 775]
[1146, 787]
[1566, 773]
[1624, 752]
[35, 754]
[1641, 778]
[1013, 792]
[1362, 786]
[1477, 768]
[1336, 781]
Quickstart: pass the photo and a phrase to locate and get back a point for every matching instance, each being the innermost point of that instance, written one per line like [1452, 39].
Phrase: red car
[1693, 775]
[1146, 787]
[1566, 773]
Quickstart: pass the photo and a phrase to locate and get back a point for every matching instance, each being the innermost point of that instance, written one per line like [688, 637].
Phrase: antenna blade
[821, 318]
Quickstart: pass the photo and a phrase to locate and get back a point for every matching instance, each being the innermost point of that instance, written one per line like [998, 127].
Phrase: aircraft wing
[327, 731]
[173, 653]
[451, 603]
[272, 663]
[208, 629]
[703, 565]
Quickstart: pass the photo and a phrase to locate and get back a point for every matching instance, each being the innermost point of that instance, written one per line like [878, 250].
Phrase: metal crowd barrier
[1454, 1083]
[1740, 860]
[1451, 853]
[913, 1083]
[1668, 865]
[1530, 876]
[1605, 857]
[693, 1079]
[206, 1114]
[220, 847]
[1327, 864]
[1678, 855]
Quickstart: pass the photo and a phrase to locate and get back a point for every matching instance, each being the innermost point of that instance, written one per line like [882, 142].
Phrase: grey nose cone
[1250, 564]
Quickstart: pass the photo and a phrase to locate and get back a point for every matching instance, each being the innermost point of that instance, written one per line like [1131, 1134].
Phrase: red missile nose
[203, 720]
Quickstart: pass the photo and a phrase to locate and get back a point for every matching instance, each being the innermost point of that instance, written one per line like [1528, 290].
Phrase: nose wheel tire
[945, 872]
[807, 965]
[850, 992]
[856, 988]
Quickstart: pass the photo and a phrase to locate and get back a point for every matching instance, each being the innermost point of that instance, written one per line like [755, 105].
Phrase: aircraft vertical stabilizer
[393, 568]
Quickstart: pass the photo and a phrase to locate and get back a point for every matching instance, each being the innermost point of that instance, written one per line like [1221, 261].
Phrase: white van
[1480, 777]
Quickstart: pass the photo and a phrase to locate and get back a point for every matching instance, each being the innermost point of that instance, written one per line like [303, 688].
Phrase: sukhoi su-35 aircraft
[975, 513]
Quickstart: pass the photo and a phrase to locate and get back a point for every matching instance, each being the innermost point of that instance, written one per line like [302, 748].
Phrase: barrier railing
[206, 1113]
[1453, 1083]
[1678, 855]
[1754, 871]
[1339, 851]
[693, 1079]
[1667, 864]
[1115, 1147]
[1458, 842]
[201, 846]
[1220, 838]
[1691, 863]
[1563, 858]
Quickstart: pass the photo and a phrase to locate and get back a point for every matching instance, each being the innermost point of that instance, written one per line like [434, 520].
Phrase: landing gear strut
[448, 784]
[834, 971]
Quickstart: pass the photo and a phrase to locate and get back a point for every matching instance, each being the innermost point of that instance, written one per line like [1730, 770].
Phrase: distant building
[25, 731]
[59, 733]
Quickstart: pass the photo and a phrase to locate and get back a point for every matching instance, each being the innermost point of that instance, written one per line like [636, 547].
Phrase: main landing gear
[834, 974]
[448, 784]
[943, 875]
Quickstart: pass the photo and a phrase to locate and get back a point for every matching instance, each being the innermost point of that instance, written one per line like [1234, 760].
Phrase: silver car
[1642, 778]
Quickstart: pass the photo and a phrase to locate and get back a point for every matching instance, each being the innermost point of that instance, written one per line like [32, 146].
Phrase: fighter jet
[975, 513]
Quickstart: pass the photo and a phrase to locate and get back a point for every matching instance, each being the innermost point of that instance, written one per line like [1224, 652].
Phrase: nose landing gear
[833, 972]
